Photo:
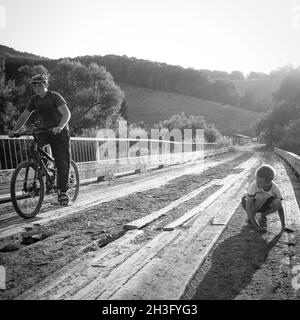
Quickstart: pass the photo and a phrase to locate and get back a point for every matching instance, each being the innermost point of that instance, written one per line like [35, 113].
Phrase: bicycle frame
[38, 154]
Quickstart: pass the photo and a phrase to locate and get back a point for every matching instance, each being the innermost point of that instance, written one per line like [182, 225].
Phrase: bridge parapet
[95, 160]
[292, 159]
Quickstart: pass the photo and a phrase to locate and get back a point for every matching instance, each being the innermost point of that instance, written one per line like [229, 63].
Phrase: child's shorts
[264, 207]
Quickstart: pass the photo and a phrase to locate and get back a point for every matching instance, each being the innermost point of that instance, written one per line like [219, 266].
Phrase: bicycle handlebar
[31, 132]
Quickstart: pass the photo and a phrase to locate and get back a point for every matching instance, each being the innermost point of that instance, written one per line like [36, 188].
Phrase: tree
[256, 75]
[8, 107]
[124, 110]
[181, 122]
[290, 139]
[248, 100]
[281, 72]
[26, 72]
[219, 75]
[226, 91]
[237, 75]
[90, 92]
[12, 101]
[289, 90]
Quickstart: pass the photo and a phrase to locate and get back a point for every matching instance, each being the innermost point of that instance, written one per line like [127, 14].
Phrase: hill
[151, 106]
[265, 87]
[12, 53]
[260, 90]
[160, 102]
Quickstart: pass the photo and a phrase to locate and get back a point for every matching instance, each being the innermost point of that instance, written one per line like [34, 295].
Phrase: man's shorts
[264, 207]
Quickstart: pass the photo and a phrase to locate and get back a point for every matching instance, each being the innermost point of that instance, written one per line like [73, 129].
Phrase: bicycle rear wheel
[27, 189]
[73, 181]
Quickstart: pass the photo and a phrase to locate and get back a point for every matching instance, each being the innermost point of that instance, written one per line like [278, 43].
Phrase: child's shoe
[263, 221]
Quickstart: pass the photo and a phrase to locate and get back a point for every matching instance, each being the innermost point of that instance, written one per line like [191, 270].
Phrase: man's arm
[66, 115]
[250, 208]
[21, 121]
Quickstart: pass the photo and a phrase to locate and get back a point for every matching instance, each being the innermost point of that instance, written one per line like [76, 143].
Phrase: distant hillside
[263, 86]
[260, 90]
[151, 106]
[156, 91]
[12, 53]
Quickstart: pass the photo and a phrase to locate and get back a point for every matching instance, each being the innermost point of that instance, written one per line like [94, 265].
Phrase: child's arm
[250, 208]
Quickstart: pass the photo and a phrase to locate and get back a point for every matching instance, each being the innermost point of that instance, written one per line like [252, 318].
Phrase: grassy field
[152, 106]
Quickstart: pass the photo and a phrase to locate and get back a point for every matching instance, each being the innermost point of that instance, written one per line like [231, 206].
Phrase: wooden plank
[225, 214]
[97, 197]
[85, 269]
[197, 210]
[106, 286]
[140, 223]
[168, 274]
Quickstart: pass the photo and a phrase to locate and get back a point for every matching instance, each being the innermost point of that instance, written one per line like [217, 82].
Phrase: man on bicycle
[55, 115]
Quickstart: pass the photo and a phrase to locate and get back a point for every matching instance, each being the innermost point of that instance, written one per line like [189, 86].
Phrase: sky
[244, 35]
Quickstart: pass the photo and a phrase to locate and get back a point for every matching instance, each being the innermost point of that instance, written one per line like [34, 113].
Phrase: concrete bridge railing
[97, 157]
[291, 158]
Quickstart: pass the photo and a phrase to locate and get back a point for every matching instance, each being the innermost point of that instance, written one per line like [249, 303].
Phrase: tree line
[280, 126]
[213, 85]
[94, 99]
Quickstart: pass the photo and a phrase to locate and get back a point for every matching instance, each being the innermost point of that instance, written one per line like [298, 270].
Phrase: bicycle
[30, 177]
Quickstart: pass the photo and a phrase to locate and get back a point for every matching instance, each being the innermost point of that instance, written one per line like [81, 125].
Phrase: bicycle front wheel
[27, 189]
[73, 181]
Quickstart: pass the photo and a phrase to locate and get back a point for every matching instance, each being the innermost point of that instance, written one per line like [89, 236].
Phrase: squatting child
[264, 197]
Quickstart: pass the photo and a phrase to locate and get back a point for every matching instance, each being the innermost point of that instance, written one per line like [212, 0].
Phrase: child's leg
[276, 206]
[282, 217]
[259, 202]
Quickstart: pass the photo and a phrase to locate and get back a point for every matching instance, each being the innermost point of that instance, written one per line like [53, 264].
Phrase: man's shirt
[47, 108]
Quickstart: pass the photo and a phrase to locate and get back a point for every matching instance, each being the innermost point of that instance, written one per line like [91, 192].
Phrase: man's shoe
[63, 199]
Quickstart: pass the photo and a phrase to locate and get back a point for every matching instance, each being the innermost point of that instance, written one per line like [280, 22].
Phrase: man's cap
[39, 78]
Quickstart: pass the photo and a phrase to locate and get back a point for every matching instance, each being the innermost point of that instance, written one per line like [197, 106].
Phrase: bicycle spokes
[73, 182]
[27, 189]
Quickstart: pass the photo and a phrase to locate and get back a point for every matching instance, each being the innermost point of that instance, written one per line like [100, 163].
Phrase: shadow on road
[233, 263]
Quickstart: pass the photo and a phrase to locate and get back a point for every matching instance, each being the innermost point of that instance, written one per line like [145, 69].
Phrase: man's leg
[60, 146]
[43, 139]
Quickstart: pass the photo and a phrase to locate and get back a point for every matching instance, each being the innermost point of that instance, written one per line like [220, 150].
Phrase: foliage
[91, 94]
[280, 126]
[189, 122]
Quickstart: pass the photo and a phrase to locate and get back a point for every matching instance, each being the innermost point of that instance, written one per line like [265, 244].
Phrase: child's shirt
[274, 191]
